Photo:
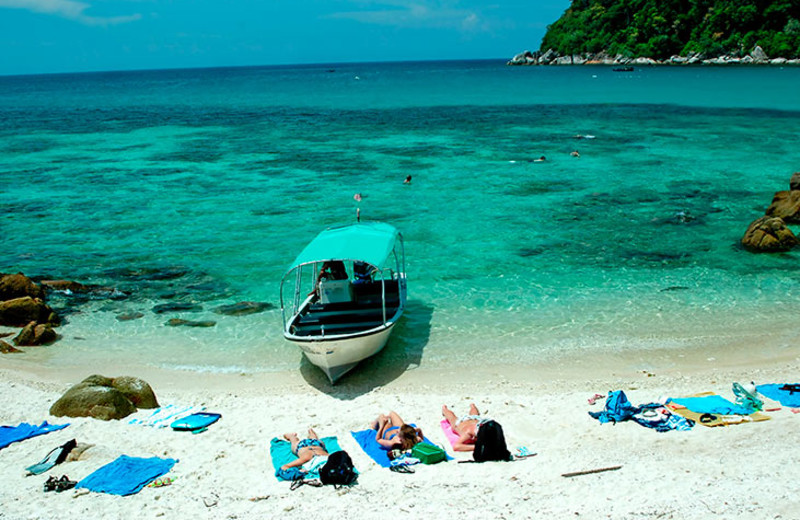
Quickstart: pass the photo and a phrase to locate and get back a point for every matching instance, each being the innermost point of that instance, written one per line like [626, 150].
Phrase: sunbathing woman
[310, 452]
[392, 433]
[465, 426]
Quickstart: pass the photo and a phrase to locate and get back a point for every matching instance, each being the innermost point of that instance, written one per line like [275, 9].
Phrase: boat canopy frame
[373, 243]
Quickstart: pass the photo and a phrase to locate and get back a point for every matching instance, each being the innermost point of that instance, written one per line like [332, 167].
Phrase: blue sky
[47, 36]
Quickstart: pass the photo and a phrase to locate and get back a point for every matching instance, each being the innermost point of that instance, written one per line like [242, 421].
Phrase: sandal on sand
[161, 482]
[303, 482]
[50, 485]
[402, 468]
[64, 483]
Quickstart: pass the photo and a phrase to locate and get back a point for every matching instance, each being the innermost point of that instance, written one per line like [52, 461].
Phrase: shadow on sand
[402, 352]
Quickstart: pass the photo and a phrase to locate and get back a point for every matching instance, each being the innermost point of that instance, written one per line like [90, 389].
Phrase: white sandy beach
[741, 471]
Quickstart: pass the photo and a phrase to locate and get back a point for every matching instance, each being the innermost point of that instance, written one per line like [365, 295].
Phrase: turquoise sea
[202, 185]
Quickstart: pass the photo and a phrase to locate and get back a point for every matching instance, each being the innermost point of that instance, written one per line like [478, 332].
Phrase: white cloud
[69, 9]
[414, 14]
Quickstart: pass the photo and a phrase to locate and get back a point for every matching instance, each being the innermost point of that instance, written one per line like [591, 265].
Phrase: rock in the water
[104, 398]
[786, 205]
[243, 308]
[5, 348]
[177, 307]
[794, 182]
[18, 285]
[21, 311]
[176, 322]
[128, 316]
[34, 334]
[75, 288]
[768, 235]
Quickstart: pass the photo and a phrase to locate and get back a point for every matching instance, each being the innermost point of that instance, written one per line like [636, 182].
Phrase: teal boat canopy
[370, 242]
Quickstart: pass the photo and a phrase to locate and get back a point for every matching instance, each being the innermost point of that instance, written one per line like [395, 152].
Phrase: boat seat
[352, 315]
[391, 303]
[335, 328]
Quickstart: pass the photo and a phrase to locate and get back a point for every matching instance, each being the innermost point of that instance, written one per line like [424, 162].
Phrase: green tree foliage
[659, 29]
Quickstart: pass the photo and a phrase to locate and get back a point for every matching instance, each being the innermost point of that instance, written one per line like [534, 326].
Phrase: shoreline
[226, 472]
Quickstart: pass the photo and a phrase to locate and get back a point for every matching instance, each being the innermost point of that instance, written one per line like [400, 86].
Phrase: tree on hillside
[659, 29]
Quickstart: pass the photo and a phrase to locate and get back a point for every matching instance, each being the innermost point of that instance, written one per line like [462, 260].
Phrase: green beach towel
[280, 452]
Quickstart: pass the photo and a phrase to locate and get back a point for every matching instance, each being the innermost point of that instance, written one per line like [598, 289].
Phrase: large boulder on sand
[21, 311]
[18, 285]
[768, 235]
[105, 398]
[786, 205]
[136, 390]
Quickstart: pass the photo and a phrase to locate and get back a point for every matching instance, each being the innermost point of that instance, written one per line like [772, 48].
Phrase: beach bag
[428, 453]
[338, 470]
[490, 443]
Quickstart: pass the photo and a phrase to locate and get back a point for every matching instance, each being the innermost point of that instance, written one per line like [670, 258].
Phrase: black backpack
[338, 470]
[490, 443]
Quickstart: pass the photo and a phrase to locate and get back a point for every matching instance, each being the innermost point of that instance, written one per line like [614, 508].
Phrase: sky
[55, 36]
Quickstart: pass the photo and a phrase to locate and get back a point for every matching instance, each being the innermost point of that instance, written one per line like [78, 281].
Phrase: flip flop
[402, 468]
[57, 456]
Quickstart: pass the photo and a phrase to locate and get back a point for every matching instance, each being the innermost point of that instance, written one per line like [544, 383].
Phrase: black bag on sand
[338, 470]
[490, 444]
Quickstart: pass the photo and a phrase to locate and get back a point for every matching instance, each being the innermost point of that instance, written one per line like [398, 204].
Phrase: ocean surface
[201, 186]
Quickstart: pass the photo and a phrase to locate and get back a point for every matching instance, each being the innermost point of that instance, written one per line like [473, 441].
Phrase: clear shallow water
[202, 186]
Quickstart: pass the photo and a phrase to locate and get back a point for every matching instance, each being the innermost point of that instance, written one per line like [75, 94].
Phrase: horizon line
[262, 66]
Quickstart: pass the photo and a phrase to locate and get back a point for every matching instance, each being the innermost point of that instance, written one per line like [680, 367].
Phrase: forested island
[671, 31]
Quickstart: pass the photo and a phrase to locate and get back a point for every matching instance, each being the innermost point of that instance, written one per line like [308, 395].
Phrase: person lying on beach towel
[389, 453]
[481, 435]
[310, 452]
[392, 433]
[285, 454]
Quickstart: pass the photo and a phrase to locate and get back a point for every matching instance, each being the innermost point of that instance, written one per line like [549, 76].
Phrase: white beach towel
[164, 416]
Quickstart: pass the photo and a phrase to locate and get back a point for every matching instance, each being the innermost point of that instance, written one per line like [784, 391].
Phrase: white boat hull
[339, 354]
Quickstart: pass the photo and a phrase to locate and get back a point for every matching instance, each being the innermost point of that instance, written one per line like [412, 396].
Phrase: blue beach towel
[366, 439]
[714, 404]
[126, 475]
[786, 397]
[281, 453]
[11, 434]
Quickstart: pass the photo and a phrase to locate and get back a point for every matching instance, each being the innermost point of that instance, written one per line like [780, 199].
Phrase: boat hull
[337, 355]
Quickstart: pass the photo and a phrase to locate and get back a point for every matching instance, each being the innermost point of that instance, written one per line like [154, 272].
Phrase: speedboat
[343, 294]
